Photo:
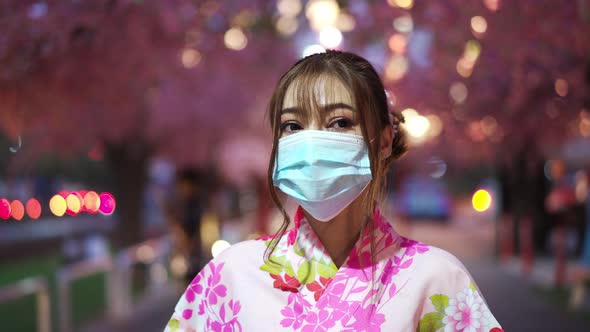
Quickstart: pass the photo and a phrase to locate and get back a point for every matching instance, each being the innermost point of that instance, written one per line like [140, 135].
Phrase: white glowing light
[322, 13]
[218, 247]
[417, 126]
[235, 39]
[409, 112]
[479, 24]
[330, 37]
[312, 49]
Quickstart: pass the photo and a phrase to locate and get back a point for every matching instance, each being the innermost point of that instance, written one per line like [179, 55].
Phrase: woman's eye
[341, 124]
[290, 127]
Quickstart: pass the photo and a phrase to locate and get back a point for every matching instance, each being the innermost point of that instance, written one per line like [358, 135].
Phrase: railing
[152, 253]
[29, 286]
[77, 271]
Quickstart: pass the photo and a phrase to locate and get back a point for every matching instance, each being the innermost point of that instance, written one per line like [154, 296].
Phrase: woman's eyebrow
[324, 108]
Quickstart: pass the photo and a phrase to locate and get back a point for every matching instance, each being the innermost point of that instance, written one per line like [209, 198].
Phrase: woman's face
[335, 111]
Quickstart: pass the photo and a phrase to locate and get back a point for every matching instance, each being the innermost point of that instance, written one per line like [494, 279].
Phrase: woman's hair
[369, 99]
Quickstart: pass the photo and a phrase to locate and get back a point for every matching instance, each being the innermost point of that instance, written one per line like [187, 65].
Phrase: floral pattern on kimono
[403, 285]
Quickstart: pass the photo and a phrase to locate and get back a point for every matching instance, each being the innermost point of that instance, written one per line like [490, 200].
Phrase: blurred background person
[185, 212]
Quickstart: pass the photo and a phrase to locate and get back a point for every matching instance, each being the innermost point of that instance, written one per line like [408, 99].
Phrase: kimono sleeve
[205, 304]
[453, 302]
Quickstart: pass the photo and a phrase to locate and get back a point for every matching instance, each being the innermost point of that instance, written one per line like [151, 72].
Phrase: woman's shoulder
[432, 260]
[241, 251]
[238, 257]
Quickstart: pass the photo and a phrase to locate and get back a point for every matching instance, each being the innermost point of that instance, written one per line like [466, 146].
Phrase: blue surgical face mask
[323, 171]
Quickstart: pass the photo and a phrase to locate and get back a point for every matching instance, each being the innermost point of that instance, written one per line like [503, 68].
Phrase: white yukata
[415, 287]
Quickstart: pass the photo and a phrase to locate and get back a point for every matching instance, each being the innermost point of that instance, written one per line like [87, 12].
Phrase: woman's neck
[340, 234]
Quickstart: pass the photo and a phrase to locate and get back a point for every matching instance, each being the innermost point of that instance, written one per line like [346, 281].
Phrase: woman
[342, 267]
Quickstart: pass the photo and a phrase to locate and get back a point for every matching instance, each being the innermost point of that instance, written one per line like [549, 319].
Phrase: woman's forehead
[320, 91]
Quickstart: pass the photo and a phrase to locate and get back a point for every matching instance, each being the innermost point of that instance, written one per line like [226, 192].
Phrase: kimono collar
[303, 239]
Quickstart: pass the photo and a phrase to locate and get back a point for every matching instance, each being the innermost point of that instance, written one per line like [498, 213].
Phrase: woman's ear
[386, 142]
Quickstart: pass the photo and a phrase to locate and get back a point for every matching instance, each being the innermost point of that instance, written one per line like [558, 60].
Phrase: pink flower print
[367, 319]
[195, 287]
[413, 247]
[235, 307]
[466, 312]
[318, 322]
[187, 314]
[213, 293]
[294, 312]
[358, 262]
[388, 272]
[292, 318]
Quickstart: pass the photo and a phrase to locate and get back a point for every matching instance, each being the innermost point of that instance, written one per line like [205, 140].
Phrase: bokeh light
[107, 204]
[464, 67]
[322, 13]
[472, 51]
[489, 125]
[482, 200]
[397, 43]
[190, 57]
[4, 209]
[405, 4]
[218, 247]
[416, 125]
[458, 92]
[330, 37]
[479, 25]
[396, 68]
[404, 23]
[33, 208]
[585, 124]
[58, 205]
[436, 125]
[235, 39]
[561, 87]
[286, 26]
[492, 5]
[312, 49]
[73, 203]
[92, 202]
[345, 22]
[178, 266]
[17, 210]
[289, 8]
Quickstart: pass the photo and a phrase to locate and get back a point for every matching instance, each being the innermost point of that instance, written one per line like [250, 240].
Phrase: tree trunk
[128, 163]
